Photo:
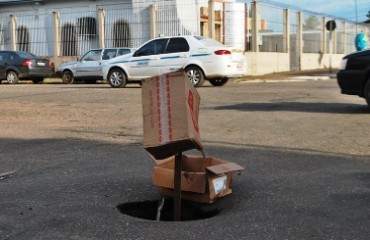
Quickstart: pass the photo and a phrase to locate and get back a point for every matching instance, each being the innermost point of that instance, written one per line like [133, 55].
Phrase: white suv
[202, 59]
[88, 67]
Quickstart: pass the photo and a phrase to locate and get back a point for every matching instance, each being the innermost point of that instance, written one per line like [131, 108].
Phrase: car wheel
[367, 92]
[195, 75]
[67, 77]
[37, 80]
[12, 77]
[219, 82]
[117, 78]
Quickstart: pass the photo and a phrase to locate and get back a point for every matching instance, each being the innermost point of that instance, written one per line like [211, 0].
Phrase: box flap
[224, 168]
[190, 181]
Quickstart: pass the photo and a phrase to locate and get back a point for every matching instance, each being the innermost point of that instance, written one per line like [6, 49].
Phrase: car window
[109, 54]
[12, 56]
[93, 55]
[208, 41]
[177, 45]
[4, 56]
[25, 55]
[152, 48]
[123, 51]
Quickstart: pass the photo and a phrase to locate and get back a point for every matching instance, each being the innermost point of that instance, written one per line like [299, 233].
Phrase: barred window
[69, 40]
[121, 34]
[23, 39]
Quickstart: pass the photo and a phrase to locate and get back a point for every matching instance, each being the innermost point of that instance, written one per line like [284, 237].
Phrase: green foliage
[311, 23]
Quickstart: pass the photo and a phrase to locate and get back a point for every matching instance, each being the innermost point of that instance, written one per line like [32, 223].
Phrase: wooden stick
[177, 188]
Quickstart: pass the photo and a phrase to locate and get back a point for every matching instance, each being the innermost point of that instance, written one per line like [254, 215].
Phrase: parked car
[202, 59]
[19, 65]
[88, 67]
[354, 75]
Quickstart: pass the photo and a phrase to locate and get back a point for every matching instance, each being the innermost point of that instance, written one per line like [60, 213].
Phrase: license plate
[40, 64]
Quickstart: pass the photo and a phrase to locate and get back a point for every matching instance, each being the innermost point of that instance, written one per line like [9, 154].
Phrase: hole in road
[162, 210]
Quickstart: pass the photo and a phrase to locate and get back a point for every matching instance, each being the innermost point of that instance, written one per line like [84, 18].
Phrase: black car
[19, 65]
[354, 75]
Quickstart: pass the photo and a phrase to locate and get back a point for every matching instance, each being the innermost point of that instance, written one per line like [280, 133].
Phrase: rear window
[208, 41]
[177, 45]
[25, 55]
[123, 51]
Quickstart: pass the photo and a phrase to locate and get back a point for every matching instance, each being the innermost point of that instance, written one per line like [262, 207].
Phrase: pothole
[162, 210]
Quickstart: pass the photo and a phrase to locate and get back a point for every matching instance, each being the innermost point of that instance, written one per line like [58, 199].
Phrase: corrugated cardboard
[202, 179]
[170, 115]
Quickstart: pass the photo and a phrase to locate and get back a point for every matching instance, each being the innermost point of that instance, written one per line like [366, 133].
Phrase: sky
[345, 9]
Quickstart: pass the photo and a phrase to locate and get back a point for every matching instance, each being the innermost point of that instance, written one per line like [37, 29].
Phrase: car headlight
[343, 64]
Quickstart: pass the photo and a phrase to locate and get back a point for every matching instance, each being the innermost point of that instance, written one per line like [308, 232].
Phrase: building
[274, 40]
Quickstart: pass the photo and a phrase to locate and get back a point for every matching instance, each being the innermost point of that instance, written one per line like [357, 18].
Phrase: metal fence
[128, 25]
[315, 38]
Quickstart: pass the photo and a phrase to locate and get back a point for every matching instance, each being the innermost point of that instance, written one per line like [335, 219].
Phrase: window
[87, 27]
[152, 48]
[177, 45]
[93, 55]
[69, 40]
[109, 53]
[4, 56]
[23, 39]
[123, 51]
[121, 34]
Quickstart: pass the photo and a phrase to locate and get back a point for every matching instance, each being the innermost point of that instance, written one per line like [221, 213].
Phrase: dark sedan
[19, 65]
[354, 75]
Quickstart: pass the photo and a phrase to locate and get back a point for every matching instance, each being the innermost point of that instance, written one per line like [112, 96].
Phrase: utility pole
[356, 15]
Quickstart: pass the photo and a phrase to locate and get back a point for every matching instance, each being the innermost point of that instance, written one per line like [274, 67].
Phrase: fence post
[255, 21]
[13, 32]
[344, 37]
[286, 20]
[101, 27]
[153, 20]
[299, 39]
[335, 41]
[56, 34]
[324, 39]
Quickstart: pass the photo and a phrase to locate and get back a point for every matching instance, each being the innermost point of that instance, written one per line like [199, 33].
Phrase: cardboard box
[202, 179]
[170, 115]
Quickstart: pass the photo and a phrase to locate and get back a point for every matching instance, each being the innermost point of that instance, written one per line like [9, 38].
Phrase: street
[72, 154]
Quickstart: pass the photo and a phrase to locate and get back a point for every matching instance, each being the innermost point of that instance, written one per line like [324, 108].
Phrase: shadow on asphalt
[299, 107]
[70, 189]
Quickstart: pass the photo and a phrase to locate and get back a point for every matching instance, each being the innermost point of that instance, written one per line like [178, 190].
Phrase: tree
[311, 23]
[368, 16]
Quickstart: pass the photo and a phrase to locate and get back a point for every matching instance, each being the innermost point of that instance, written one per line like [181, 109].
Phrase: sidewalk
[312, 75]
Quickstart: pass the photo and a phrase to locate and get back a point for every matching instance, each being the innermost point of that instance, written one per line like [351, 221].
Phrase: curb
[289, 79]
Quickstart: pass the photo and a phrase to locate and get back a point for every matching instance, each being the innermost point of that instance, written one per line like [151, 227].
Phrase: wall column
[13, 32]
[56, 30]
[211, 20]
[255, 21]
[153, 21]
[101, 27]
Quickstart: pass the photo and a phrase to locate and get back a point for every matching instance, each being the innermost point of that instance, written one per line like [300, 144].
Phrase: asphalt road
[70, 155]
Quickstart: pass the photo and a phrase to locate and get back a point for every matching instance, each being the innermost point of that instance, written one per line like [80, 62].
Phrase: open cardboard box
[202, 179]
[170, 115]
